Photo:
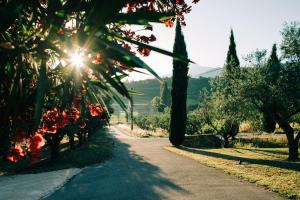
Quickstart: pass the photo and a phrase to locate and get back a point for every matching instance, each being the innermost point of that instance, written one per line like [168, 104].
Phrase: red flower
[95, 110]
[19, 150]
[13, 158]
[98, 59]
[50, 129]
[152, 38]
[82, 124]
[144, 51]
[16, 153]
[35, 147]
[64, 114]
[169, 23]
[74, 113]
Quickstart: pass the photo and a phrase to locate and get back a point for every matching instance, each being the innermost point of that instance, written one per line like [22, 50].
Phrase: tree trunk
[4, 141]
[293, 142]
[226, 140]
[293, 151]
[80, 137]
[54, 146]
[4, 145]
[72, 142]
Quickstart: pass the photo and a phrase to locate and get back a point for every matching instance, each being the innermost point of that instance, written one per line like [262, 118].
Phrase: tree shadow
[267, 152]
[272, 163]
[126, 176]
[282, 153]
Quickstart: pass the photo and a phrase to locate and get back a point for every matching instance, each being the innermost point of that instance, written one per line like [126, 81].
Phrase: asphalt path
[141, 169]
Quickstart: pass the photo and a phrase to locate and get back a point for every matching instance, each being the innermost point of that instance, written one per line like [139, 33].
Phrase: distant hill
[195, 70]
[151, 88]
[212, 73]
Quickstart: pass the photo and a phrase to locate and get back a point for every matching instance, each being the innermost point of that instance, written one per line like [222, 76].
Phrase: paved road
[141, 169]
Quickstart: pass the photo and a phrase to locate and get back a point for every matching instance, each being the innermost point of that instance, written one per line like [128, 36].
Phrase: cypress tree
[165, 95]
[273, 68]
[232, 65]
[179, 91]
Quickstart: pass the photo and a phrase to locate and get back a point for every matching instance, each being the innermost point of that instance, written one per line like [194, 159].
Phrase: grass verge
[263, 166]
[96, 150]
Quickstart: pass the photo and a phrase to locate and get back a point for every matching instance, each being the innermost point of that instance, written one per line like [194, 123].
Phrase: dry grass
[245, 128]
[138, 132]
[264, 166]
[261, 141]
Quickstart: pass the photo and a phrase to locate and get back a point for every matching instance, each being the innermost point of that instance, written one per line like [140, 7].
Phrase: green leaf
[130, 55]
[135, 92]
[162, 51]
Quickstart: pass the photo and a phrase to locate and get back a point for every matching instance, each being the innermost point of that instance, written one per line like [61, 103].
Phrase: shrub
[152, 122]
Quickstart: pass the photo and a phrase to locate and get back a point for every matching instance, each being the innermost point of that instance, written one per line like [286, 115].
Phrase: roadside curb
[35, 186]
[76, 171]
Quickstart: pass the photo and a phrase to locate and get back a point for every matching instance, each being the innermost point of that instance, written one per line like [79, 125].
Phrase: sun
[77, 59]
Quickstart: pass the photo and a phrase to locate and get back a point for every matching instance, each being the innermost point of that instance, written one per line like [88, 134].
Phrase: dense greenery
[155, 121]
[220, 110]
[60, 60]
[265, 86]
[179, 91]
[263, 92]
[164, 100]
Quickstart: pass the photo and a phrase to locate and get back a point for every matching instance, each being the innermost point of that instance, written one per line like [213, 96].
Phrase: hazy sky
[256, 24]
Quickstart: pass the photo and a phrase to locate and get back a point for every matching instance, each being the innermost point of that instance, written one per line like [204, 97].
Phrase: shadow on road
[126, 176]
[272, 163]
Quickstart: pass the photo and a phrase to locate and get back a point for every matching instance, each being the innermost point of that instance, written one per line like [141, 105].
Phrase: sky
[256, 25]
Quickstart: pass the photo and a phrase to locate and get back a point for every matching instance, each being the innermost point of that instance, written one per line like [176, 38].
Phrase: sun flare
[76, 59]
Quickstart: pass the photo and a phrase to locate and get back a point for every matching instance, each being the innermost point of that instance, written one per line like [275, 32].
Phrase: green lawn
[97, 150]
[264, 166]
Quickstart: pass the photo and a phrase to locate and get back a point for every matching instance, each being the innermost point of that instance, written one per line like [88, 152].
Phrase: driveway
[141, 169]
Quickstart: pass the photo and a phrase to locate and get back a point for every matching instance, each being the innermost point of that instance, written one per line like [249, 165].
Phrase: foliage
[273, 68]
[165, 95]
[156, 104]
[291, 42]
[220, 112]
[98, 149]
[232, 64]
[53, 53]
[179, 91]
[212, 117]
[279, 95]
[159, 104]
[153, 122]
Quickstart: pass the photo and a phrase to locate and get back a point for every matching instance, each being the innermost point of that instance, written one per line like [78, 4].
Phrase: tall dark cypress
[179, 91]
[273, 68]
[232, 65]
